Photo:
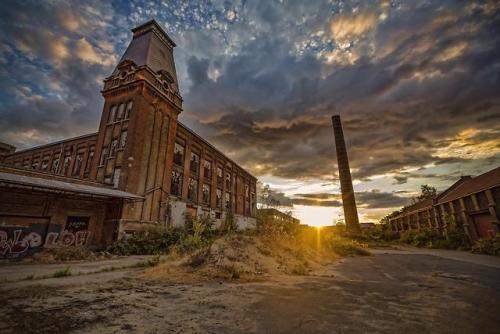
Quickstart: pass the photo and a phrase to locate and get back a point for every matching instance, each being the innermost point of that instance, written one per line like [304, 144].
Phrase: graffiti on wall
[17, 241]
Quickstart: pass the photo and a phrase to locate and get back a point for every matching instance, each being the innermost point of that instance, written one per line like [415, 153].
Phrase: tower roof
[151, 46]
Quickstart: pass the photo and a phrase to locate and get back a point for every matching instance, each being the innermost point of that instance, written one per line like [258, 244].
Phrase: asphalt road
[389, 292]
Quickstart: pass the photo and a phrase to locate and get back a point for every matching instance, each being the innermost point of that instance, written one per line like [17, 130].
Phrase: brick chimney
[348, 200]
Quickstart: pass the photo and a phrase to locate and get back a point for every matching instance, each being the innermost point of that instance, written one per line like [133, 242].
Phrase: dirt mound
[244, 258]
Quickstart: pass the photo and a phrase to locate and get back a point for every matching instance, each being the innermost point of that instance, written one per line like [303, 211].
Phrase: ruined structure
[472, 202]
[141, 168]
[348, 199]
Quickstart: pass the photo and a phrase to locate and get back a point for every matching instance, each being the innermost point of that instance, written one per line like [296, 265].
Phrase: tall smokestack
[348, 200]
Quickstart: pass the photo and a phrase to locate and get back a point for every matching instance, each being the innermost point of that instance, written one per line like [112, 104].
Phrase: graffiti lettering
[18, 241]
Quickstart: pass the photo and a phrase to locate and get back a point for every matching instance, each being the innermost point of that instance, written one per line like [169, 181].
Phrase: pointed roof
[151, 46]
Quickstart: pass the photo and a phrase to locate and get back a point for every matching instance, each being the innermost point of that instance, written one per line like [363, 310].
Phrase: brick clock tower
[138, 125]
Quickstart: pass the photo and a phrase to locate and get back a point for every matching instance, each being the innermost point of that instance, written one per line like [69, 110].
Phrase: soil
[388, 292]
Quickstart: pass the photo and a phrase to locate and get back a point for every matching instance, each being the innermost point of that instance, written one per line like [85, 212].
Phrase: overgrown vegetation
[196, 233]
[487, 246]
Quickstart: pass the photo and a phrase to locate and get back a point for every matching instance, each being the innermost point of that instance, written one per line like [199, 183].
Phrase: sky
[417, 84]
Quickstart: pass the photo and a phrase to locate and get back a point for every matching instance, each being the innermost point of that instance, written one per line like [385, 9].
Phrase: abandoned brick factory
[474, 202]
[142, 166]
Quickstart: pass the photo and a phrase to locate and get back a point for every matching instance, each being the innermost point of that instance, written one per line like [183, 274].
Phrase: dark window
[218, 198]
[206, 194]
[123, 139]
[193, 189]
[104, 156]
[78, 164]
[207, 169]
[90, 157]
[219, 177]
[176, 187]
[194, 162]
[112, 114]
[114, 146]
[128, 111]
[179, 154]
[121, 112]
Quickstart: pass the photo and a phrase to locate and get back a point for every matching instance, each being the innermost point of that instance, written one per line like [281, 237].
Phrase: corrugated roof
[33, 181]
[476, 184]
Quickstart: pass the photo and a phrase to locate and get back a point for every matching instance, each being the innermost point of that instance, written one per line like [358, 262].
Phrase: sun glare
[316, 215]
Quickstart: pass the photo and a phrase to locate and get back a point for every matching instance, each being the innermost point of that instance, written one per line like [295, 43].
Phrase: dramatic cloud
[416, 84]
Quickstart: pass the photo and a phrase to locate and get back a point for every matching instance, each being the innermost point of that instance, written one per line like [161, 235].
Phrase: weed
[63, 272]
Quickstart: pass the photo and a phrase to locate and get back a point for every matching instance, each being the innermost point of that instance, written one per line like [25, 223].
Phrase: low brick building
[473, 202]
[159, 170]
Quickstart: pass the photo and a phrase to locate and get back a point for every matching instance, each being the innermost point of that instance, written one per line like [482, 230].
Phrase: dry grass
[256, 257]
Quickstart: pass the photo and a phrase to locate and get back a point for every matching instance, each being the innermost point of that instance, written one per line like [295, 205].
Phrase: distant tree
[426, 192]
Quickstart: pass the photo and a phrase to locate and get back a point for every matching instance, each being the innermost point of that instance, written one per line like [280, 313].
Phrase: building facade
[472, 202]
[141, 149]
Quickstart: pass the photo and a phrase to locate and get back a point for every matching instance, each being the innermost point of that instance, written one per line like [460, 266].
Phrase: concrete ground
[15, 272]
[393, 291]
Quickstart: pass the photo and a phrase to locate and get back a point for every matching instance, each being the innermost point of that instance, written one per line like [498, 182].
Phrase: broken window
[218, 198]
[123, 139]
[206, 194]
[66, 162]
[228, 200]
[120, 113]
[219, 177]
[193, 189]
[114, 146]
[116, 177]
[128, 111]
[104, 156]
[228, 181]
[176, 186]
[45, 163]
[112, 114]
[194, 162]
[178, 154]
[207, 169]
[90, 157]
[78, 164]
[55, 164]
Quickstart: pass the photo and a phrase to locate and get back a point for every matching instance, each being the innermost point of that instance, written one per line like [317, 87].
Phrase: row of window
[61, 164]
[176, 190]
[194, 166]
[119, 112]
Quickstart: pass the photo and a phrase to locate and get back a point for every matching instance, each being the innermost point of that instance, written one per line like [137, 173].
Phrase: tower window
[123, 139]
[116, 177]
[121, 109]
[104, 156]
[112, 114]
[128, 111]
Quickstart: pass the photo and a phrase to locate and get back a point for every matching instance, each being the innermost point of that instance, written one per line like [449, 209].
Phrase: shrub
[487, 246]
[153, 241]
[196, 233]
[346, 247]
